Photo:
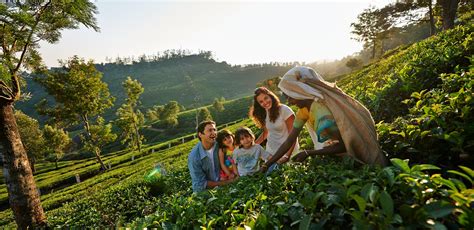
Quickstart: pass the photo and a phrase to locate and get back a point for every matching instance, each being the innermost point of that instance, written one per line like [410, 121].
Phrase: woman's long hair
[258, 113]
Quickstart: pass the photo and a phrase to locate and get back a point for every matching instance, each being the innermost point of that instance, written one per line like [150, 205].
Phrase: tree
[56, 142]
[218, 105]
[31, 136]
[129, 117]
[353, 63]
[169, 115]
[79, 93]
[100, 135]
[23, 25]
[371, 27]
[449, 10]
[204, 114]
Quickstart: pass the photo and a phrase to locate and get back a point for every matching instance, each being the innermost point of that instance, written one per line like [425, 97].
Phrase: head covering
[354, 121]
[293, 83]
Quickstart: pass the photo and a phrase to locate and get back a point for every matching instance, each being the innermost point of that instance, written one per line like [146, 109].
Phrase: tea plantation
[421, 97]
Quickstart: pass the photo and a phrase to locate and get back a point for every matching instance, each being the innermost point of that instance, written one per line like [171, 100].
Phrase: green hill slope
[181, 79]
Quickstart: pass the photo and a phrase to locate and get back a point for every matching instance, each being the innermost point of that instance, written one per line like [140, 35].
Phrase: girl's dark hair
[258, 113]
[221, 135]
[243, 131]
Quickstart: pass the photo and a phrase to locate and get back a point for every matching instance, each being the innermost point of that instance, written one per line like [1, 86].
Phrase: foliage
[31, 136]
[100, 135]
[78, 92]
[204, 114]
[354, 63]
[371, 27]
[383, 86]
[440, 117]
[169, 114]
[317, 195]
[56, 142]
[218, 104]
[129, 117]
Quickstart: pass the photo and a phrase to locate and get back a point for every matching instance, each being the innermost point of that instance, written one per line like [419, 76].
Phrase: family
[338, 125]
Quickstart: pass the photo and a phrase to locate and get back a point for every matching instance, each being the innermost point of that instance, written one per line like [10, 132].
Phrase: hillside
[421, 98]
[192, 80]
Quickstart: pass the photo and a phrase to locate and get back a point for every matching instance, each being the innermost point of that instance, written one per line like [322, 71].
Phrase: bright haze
[238, 32]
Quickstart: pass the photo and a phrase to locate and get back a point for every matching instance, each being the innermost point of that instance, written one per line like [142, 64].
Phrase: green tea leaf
[360, 202]
[387, 203]
[401, 164]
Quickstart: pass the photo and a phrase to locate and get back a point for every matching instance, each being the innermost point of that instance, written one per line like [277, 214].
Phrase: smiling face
[208, 136]
[265, 101]
[246, 141]
[228, 142]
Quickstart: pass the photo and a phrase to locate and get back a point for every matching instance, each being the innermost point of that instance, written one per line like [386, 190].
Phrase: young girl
[225, 141]
[248, 154]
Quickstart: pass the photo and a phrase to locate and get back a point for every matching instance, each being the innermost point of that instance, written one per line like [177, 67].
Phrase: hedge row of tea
[123, 172]
[422, 97]
[322, 194]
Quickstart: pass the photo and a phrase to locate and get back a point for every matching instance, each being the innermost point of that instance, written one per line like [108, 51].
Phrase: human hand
[301, 156]
[263, 168]
[283, 159]
[231, 176]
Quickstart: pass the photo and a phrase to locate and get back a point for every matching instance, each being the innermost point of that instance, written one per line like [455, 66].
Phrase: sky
[238, 32]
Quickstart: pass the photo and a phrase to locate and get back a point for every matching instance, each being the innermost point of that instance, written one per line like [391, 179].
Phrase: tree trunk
[22, 191]
[85, 119]
[373, 49]
[137, 135]
[432, 23]
[450, 8]
[97, 155]
[32, 164]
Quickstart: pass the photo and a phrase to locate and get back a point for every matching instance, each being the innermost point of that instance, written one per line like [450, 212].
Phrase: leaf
[421, 167]
[387, 203]
[467, 170]
[461, 174]
[401, 164]
[439, 209]
[305, 222]
[360, 202]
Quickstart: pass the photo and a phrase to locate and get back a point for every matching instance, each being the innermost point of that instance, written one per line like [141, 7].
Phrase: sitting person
[343, 124]
[203, 161]
[247, 156]
[225, 141]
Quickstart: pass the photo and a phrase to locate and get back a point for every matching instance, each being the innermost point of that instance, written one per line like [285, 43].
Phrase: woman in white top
[275, 119]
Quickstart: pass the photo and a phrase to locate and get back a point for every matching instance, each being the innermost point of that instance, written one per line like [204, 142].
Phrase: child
[225, 141]
[248, 154]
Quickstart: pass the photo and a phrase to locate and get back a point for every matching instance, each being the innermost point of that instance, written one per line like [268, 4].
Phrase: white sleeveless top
[277, 131]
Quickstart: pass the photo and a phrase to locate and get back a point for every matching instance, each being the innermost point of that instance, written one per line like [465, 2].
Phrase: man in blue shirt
[203, 161]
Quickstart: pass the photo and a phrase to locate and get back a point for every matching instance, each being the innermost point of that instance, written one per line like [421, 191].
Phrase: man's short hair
[202, 126]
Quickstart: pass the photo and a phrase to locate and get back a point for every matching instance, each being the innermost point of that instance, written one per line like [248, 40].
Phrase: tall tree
[100, 135]
[130, 118]
[372, 27]
[23, 25]
[79, 93]
[31, 136]
[169, 114]
[218, 105]
[56, 142]
[449, 10]
[204, 114]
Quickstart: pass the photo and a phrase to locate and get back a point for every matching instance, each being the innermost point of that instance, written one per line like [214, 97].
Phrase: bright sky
[238, 32]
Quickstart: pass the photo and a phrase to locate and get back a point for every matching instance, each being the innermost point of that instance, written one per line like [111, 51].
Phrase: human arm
[334, 149]
[290, 140]
[262, 136]
[222, 162]
[289, 125]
